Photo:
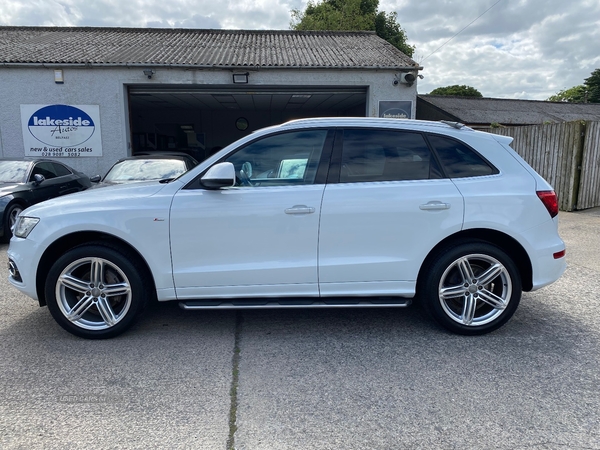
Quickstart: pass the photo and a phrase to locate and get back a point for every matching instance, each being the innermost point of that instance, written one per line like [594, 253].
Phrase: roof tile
[199, 48]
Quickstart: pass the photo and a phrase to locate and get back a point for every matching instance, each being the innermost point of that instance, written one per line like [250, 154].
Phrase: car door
[386, 205]
[50, 187]
[67, 181]
[259, 237]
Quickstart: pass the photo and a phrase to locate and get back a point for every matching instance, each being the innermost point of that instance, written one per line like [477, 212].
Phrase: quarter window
[60, 170]
[283, 159]
[384, 155]
[458, 160]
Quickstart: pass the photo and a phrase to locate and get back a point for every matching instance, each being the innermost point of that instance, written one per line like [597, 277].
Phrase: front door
[258, 238]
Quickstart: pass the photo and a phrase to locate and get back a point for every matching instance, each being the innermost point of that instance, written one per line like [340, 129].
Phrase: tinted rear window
[384, 155]
[458, 159]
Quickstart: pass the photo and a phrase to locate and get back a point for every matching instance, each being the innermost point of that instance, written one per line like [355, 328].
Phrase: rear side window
[459, 160]
[60, 170]
[386, 155]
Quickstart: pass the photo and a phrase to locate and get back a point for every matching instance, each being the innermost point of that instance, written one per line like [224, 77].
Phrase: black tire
[96, 306]
[471, 287]
[10, 217]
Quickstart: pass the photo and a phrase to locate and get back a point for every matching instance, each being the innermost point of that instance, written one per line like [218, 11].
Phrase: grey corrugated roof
[507, 111]
[199, 48]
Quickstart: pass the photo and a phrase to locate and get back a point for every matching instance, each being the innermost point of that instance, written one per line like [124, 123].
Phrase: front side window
[46, 169]
[459, 160]
[279, 160]
[386, 155]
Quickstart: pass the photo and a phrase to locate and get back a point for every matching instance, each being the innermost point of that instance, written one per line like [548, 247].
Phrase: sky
[521, 49]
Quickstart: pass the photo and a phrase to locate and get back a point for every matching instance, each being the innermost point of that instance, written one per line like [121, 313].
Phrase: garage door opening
[201, 120]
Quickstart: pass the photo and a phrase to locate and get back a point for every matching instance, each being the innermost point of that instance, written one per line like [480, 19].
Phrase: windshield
[13, 171]
[144, 170]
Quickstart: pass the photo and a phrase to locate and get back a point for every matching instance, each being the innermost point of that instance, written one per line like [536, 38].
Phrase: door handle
[434, 206]
[300, 209]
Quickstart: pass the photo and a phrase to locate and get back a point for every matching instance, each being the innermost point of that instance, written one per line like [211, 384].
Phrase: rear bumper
[544, 243]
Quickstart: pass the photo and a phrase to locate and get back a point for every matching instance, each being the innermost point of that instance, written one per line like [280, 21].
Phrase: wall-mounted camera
[404, 78]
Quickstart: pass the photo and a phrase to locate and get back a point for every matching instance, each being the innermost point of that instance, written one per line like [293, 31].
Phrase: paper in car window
[292, 168]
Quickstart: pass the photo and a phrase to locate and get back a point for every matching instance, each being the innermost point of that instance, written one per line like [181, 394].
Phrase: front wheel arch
[7, 213]
[70, 241]
[96, 291]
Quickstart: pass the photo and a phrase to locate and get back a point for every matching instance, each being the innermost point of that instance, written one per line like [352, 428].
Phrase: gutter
[199, 67]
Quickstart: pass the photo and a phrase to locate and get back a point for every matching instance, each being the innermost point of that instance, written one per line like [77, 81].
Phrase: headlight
[24, 226]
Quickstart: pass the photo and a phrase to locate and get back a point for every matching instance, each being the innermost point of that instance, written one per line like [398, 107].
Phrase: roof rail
[456, 125]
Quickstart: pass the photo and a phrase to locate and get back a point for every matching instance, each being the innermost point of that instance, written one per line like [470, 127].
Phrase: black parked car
[26, 182]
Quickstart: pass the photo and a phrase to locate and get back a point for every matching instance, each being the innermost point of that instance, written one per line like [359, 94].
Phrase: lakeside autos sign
[61, 131]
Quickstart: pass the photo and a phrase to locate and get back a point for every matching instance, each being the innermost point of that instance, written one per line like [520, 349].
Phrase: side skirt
[376, 302]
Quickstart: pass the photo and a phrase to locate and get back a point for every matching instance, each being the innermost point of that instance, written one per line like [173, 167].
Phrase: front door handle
[433, 206]
[300, 209]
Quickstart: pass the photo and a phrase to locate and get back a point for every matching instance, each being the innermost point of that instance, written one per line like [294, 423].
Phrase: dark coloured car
[146, 168]
[26, 182]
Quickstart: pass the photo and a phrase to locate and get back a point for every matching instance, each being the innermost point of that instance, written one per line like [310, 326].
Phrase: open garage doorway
[202, 120]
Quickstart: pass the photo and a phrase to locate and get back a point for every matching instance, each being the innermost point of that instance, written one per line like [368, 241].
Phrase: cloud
[517, 49]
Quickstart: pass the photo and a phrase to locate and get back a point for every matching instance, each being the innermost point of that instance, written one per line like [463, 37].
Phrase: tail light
[550, 201]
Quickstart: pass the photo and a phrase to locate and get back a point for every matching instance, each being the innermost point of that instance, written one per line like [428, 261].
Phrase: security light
[240, 78]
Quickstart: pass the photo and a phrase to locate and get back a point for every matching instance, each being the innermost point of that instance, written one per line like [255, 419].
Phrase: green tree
[592, 83]
[352, 15]
[575, 94]
[457, 90]
[588, 92]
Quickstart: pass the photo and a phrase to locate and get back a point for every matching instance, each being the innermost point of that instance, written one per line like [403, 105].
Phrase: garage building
[93, 95]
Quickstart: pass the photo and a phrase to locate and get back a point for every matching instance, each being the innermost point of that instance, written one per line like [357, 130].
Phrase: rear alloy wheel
[95, 291]
[472, 288]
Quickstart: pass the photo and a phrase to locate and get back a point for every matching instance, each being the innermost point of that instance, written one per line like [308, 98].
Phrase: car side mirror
[219, 176]
[38, 179]
[96, 179]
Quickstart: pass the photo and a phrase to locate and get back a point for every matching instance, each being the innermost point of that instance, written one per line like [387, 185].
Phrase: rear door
[386, 205]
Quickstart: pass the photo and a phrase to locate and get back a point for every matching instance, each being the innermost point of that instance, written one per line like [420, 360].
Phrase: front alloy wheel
[10, 219]
[473, 288]
[95, 291]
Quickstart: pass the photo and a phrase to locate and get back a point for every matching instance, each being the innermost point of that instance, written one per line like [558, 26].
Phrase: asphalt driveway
[308, 379]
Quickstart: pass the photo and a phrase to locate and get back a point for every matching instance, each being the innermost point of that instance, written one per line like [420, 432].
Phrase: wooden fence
[566, 154]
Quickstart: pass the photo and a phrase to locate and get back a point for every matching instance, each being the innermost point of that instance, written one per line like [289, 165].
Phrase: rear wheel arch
[506, 243]
[70, 241]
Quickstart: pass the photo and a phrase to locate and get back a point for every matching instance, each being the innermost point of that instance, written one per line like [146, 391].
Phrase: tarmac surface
[313, 379]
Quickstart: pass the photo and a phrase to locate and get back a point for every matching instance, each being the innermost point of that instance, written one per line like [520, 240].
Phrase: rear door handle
[300, 209]
[433, 206]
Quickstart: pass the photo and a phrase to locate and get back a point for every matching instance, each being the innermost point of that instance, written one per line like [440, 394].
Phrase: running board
[284, 304]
